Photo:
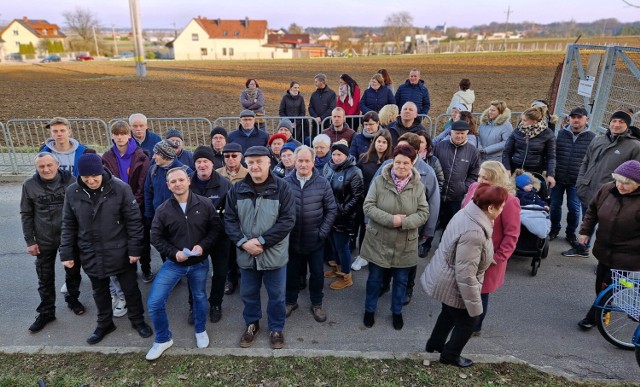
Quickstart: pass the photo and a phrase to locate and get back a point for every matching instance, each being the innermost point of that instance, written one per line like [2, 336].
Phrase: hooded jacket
[69, 159]
[465, 97]
[316, 211]
[418, 94]
[456, 272]
[604, 155]
[106, 229]
[347, 185]
[493, 135]
[268, 216]
[292, 105]
[460, 165]
[374, 100]
[322, 102]
[570, 151]
[41, 207]
[383, 244]
[138, 168]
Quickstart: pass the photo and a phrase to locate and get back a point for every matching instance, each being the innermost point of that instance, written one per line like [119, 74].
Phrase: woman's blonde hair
[378, 77]
[537, 113]
[388, 114]
[500, 105]
[497, 174]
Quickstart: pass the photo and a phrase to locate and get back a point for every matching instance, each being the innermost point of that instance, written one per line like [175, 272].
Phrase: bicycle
[618, 311]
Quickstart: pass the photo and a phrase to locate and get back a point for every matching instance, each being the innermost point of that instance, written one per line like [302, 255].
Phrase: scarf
[531, 131]
[344, 91]
[251, 93]
[400, 184]
[369, 135]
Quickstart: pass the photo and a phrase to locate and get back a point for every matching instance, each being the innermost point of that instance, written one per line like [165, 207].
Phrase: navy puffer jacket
[418, 94]
[376, 99]
[315, 212]
[570, 151]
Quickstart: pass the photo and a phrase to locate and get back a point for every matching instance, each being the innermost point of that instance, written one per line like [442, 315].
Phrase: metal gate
[602, 79]
[195, 130]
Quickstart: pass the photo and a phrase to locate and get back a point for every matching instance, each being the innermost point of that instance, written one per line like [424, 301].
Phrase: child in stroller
[527, 193]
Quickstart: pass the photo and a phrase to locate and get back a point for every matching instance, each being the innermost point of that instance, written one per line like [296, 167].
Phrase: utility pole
[506, 26]
[175, 31]
[95, 40]
[115, 42]
[141, 66]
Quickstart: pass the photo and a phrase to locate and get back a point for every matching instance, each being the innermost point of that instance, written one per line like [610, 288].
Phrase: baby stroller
[530, 244]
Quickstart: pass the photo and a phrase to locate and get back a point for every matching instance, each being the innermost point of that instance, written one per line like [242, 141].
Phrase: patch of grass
[132, 370]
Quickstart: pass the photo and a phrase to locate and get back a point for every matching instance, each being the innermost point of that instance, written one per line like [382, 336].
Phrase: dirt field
[211, 89]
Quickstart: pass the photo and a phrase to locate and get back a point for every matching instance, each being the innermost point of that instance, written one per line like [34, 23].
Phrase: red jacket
[140, 164]
[506, 230]
[348, 109]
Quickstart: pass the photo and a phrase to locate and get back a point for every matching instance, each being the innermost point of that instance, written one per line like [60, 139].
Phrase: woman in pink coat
[506, 229]
[349, 99]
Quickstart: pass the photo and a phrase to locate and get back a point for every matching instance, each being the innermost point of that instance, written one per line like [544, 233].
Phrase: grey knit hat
[173, 132]
[167, 149]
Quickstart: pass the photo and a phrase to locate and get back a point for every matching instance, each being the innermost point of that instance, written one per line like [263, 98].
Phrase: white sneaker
[202, 339]
[121, 308]
[114, 302]
[158, 349]
[63, 289]
[358, 263]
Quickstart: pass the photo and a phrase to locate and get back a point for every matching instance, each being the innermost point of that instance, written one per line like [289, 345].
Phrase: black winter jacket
[570, 151]
[173, 229]
[106, 233]
[41, 209]
[348, 189]
[292, 105]
[460, 165]
[533, 155]
[397, 129]
[322, 102]
[315, 213]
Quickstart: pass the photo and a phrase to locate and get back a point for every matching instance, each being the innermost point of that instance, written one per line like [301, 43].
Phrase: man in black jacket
[322, 101]
[184, 229]
[571, 146]
[102, 219]
[315, 212]
[41, 213]
[208, 183]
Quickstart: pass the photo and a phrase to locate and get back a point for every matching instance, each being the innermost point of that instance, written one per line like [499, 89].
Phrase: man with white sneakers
[184, 229]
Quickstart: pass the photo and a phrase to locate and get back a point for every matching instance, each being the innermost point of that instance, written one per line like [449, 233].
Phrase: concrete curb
[263, 352]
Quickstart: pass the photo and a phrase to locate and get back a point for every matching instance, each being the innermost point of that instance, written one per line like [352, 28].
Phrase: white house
[214, 39]
[25, 31]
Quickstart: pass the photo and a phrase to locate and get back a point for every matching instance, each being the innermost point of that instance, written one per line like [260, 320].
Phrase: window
[44, 32]
[237, 33]
[203, 51]
[224, 51]
[194, 37]
[225, 33]
[231, 51]
[15, 32]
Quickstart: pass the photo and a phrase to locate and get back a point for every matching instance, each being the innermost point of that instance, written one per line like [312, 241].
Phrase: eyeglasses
[228, 155]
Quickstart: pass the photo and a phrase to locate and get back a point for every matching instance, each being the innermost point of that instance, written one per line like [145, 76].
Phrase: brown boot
[333, 272]
[344, 281]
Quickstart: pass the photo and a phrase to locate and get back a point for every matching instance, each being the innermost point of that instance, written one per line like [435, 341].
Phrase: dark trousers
[447, 210]
[603, 279]
[101, 295]
[145, 257]
[316, 279]
[233, 273]
[46, 271]
[411, 279]
[456, 322]
[485, 304]
[220, 263]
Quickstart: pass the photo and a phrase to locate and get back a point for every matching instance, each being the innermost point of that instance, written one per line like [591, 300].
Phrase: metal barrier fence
[438, 123]
[195, 130]
[609, 82]
[23, 138]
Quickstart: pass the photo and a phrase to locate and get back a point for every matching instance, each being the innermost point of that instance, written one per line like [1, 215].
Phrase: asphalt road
[530, 318]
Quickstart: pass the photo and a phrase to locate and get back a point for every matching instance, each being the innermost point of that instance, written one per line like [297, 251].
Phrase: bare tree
[344, 34]
[397, 26]
[81, 22]
[295, 29]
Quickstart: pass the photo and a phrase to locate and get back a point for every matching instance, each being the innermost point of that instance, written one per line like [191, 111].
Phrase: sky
[327, 13]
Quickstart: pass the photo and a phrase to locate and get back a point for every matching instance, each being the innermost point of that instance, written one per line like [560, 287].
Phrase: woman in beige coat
[396, 207]
[455, 274]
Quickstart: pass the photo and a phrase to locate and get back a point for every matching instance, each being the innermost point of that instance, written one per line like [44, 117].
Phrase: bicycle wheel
[615, 325]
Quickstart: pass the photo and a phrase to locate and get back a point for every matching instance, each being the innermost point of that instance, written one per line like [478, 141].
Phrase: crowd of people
[266, 210]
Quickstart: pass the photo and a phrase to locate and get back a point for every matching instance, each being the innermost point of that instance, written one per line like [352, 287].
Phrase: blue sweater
[156, 191]
[256, 137]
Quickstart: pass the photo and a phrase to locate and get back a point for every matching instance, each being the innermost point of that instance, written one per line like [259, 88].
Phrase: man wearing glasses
[233, 169]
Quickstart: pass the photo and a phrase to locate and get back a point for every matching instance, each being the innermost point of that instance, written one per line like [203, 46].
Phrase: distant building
[25, 31]
[211, 39]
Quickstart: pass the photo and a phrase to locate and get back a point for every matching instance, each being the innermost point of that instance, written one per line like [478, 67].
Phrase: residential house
[210, 39]
[25, 31]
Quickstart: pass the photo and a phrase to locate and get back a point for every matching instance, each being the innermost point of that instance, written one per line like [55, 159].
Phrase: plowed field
[211, 89]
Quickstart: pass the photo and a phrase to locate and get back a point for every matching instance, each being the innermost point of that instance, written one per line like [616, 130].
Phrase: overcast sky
[327, 13]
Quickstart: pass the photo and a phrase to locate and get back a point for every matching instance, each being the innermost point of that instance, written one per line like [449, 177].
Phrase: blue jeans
[166, 279]
[398, 290]
[275, 282]
[341, 251]
[316, 278]
[573, 206]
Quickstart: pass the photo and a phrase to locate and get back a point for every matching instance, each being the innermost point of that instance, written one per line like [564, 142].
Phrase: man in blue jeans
[184, 229]
[316, 210]
[258, 218]
[571, 147]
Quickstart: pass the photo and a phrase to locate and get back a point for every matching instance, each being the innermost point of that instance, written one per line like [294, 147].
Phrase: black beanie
[621, 115]
[340, 147]
[218, 130]
[90, 164]
[203, 152]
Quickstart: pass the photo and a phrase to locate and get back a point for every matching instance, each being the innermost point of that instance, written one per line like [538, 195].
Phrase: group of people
[270, 211]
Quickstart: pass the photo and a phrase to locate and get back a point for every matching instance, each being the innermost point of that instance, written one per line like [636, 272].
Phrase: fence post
[11, 152]
[604, 88]
[565, 79]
